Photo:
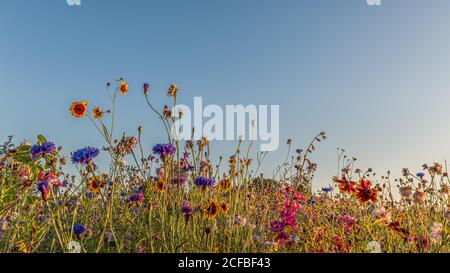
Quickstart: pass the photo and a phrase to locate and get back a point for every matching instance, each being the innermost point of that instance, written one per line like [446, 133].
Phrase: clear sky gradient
[375, 78]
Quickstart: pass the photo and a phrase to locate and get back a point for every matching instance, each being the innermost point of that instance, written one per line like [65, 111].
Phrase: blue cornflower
[42, 150]
[327, 189]
[203, 181]
[78, 229]
[420, 174]
[164, 150]
[85, 155]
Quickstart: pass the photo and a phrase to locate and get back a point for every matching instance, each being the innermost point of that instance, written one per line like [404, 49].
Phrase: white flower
[73, 247]
[373, 247]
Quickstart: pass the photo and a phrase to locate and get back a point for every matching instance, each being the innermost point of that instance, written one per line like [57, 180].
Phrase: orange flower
[365, 192]
[124, 88]
[212, 209]
[345, 185]
[78, 109]
[95, 184]
[97, 112]
[224, 207]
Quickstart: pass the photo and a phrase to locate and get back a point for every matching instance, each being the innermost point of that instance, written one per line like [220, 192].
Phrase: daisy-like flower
[97, 112]
[78, 109]
[85, 155]
[123, 88]
[212, 209]
[345, 186]
[365, 192]
[95, 184]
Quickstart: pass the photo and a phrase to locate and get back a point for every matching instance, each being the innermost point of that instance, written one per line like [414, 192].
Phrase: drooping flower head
[123, 88]
[85, 155]
[79, 108]
[164, 150]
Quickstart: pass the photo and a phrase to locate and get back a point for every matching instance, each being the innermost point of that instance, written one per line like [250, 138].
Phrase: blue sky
[374, 78]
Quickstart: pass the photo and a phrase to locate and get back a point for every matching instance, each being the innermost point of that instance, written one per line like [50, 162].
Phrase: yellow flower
[95, 184]
[78, 109]
[224, 207]
[212, 209]
[124, 88]
[225, 185]
[97, 112]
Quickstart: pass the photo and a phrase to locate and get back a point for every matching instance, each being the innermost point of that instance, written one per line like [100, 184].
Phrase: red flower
[365, 192]
[345, 185]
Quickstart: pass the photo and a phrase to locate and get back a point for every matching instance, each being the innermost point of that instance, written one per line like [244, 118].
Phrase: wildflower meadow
[175, 199]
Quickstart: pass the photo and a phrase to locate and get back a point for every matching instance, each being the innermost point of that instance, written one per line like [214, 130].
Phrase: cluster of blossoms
[85, 155]
[46, 181]
[204, 182]
[290, 202]
[42, 150]
[164, 150]
[347, 222]
[363, 190]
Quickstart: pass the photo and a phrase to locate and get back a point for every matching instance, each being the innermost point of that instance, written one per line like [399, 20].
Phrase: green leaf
[41, 139]
[23, 155]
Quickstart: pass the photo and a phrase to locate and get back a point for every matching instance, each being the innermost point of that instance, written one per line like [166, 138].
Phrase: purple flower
[85, 155]
[187, 210]
[277, 226]
[137, 197]
[146, 87]
[42, 150]
[327, 189]
[179, 181]
[164, 150]
[203, 181]
[207, 230]
[78, 229]
[420, 175]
